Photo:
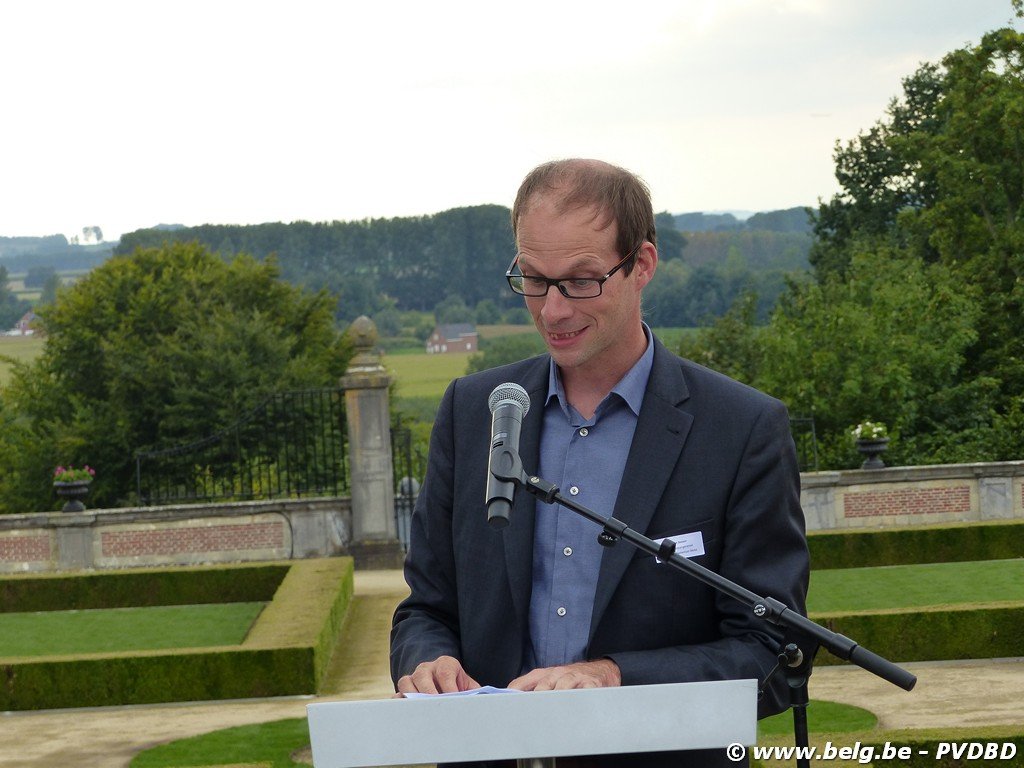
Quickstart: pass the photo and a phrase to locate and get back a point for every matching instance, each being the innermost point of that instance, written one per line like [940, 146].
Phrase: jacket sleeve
[426, 624]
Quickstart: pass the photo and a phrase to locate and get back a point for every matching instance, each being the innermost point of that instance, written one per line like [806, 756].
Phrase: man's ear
[646, 263]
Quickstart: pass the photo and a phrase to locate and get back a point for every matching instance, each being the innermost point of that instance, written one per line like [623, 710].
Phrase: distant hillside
[415, 263]
[20, 254]
[788, 220]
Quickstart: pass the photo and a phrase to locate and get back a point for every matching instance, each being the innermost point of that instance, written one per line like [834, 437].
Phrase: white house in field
[452, 337]
[26, 326]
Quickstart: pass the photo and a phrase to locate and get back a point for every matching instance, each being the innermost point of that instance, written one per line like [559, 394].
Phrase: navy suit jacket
[709, 454]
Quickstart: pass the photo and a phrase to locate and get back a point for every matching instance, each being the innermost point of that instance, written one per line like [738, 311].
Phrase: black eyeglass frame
[557, 282]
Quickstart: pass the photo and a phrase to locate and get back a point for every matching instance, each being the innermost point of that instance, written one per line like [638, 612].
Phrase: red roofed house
[453, 337]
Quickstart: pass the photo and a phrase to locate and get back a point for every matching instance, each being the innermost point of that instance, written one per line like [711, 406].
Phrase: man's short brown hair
[619, 195]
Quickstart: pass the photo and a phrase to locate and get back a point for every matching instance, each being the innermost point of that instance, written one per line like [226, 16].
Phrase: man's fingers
[443, 675]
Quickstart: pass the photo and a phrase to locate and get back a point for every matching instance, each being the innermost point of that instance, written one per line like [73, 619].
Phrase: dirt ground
[947, 695]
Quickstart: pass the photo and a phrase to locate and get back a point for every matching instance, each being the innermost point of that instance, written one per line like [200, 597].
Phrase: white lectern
[528, 726]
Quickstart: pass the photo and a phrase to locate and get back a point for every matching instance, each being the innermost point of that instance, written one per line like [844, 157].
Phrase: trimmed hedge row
[308, 610]
[959, 542]
[286, 653]
[141, 588]
[932, 634]
[190, 675]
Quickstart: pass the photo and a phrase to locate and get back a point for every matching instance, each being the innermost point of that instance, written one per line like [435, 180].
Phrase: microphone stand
[802, 636]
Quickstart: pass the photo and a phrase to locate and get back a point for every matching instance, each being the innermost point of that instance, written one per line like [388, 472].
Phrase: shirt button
[584, 432]
[561, 611]
[567, 551]
[574, 491]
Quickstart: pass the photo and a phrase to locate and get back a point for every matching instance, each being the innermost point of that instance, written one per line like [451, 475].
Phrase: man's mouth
[564, 336]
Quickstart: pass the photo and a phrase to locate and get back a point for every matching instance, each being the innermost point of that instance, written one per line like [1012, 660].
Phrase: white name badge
[687, 544]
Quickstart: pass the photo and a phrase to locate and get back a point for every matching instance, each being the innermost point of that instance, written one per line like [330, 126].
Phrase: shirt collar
[630, 387]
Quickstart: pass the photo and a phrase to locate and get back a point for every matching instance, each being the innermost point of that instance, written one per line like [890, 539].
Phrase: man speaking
[629, 430]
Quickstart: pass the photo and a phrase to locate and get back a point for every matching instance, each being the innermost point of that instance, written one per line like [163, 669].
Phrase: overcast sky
[126, 115]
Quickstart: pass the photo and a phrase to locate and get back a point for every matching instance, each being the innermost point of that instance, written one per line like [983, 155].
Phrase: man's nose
[556, 306]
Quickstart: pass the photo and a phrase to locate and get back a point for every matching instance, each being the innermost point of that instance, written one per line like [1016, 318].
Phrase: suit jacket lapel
[661, 430]
[518, 536]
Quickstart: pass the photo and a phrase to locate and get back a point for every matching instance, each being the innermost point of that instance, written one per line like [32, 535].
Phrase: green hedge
[141, 588]
[932, 635]
[924, 544]
[145, 679]
[286, 653]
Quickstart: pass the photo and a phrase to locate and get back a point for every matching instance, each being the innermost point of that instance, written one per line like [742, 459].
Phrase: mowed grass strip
[114, 630]
[267, 744]
[822, 717]
[916, 586]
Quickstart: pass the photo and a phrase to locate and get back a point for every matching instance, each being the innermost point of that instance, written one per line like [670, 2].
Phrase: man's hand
[603, 673]
[443, 675]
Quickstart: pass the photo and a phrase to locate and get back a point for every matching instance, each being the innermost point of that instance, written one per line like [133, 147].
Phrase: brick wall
[24, 550]
[907, 501]
[178, 535]
[899, 496]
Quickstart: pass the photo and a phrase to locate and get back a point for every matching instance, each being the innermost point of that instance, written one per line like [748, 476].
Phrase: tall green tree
[11, 307]
[163, 346]
[941, 177]
[916, 317]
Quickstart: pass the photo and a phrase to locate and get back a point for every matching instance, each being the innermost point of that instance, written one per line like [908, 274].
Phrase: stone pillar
[374, 542]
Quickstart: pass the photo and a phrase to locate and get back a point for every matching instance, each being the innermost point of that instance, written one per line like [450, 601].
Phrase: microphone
[509, 403]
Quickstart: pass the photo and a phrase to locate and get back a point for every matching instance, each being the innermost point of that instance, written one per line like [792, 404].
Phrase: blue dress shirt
[585, 459]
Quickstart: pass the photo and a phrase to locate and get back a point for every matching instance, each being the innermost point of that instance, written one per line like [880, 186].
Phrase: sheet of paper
[472, 692]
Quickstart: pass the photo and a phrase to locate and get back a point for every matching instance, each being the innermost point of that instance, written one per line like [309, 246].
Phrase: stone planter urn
[73, 492]
[872, 449]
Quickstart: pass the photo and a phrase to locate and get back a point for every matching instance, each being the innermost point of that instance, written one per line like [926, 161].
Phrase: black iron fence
[291, 445]
[410, 466]
[294, 445]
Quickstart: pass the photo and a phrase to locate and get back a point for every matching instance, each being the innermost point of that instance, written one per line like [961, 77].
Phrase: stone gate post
[375, 541]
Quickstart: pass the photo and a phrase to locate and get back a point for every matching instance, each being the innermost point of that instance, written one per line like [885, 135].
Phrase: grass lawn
[125, 629]
[425, 375]
[912, 586]
[822, 717]
[24, 349]
[269, 744]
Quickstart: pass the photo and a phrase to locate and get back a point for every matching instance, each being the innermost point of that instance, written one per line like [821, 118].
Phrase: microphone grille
[506, 392]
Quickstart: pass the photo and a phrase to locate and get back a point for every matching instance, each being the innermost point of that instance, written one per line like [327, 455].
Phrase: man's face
[598, 335]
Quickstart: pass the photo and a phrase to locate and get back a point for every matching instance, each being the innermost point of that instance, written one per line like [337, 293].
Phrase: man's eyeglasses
[570, 287]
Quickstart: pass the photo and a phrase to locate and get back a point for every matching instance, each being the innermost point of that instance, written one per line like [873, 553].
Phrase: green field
[21, 348]
[425, 375]
[115, 630]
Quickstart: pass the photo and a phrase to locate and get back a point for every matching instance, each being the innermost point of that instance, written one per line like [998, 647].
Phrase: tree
[11, 307]
[50, 287]
[452, 310]
[164, 346]
[670, 240]
[941, 178]
[887, 343]
[486, 312]
[37, 276]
